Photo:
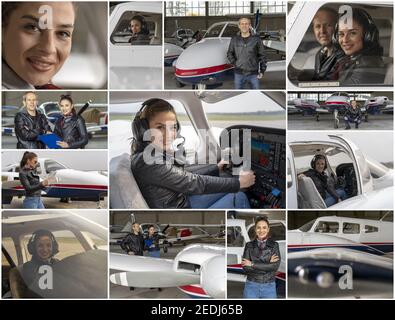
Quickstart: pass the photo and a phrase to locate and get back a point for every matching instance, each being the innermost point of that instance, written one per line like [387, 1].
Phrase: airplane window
[351, 228]
[214, 32]
[51, 165]
[248, 108]
[127, 112]
[230, 31]
[307, 227]
[149, 35]
[9, 246]
[371, 229]
[234, 237]
[50, 108]
[370, 66]
[69, 245]
[277, 232]
[327, 227]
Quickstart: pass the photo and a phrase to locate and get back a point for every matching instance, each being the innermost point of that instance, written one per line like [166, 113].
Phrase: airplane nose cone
[204, 54]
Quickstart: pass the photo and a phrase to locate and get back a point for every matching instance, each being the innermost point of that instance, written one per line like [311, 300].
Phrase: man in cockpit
[324, 23]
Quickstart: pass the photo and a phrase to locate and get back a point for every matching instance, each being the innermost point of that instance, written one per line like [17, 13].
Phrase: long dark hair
[140, 124]
[27, 156]
[69, 99]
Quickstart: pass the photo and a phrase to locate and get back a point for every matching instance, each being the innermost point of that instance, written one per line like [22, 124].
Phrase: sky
[250, 101]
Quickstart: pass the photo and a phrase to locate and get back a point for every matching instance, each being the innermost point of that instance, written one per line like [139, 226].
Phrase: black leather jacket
[361, 69]
[324, 66]
[133, 242]
[262, 270]
[352, 113]
[72, 130]
[321, 183]
[31, 182]
[28, 128]
[247, 54]
[167, 185]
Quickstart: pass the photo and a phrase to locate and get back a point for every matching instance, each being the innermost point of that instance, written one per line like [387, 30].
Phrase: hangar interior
[359, 96]
[200, 15]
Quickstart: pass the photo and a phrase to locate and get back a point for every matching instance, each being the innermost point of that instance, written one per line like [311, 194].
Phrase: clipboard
[50, 140]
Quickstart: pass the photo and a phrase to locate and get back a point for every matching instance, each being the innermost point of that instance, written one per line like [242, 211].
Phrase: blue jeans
[33, 203]
[241, 80]
[154, 254]
[330, 201]
[219, 201]
[256, 290]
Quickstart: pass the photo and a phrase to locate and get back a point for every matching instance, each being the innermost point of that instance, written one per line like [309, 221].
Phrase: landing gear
[317, 117]
[336, 119]
[366, 117]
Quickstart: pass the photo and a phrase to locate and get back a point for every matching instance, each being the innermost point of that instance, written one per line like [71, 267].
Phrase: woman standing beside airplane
[159, 168]
[70, 127]
[31, 181]
[261, 260]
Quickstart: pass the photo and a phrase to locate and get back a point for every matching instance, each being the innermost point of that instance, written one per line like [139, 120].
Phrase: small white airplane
[338, 103]
[205, 62]
[302, 45]
[135, 66]
[238, 234]
[367, 183]
[64, 182]
[171, 53]
[170, 234]
[372, 236]
[198, 270]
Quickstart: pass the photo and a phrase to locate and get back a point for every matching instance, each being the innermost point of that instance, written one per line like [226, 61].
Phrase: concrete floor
[269, 81]
[54, 203]
[96, 142]
[308, 122]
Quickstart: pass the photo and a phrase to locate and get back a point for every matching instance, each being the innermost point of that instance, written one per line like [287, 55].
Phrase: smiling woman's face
[351, 38]
[33, 48]
[164, 125]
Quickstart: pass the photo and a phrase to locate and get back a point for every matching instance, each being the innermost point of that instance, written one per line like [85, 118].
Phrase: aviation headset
[144, 25]
[318, 157]
[371, 32]
[31, 245]
[140, 125]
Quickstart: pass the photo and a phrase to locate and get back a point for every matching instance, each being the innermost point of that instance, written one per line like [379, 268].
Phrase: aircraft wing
[147, 272]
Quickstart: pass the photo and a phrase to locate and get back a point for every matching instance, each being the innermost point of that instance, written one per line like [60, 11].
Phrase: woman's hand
[300, 176]
[131, 253]
[45, 182]
[62, 144]
[274, 258]
[246, 179]
[222, 164]
[339, 200]
[246, 263]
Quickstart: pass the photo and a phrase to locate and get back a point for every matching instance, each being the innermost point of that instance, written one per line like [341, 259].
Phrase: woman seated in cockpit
[140, 32]
[43, 247]
[158, 165]
[326, 189]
